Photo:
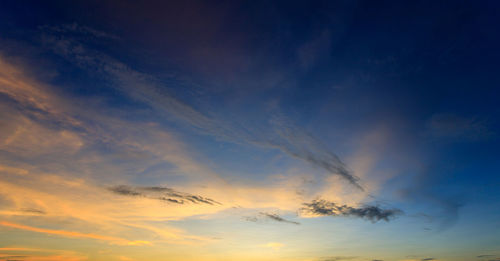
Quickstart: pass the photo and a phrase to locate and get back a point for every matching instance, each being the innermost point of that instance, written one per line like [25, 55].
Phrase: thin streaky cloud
[278, 218]
[64, 233]
[269, 216]
[287, 138]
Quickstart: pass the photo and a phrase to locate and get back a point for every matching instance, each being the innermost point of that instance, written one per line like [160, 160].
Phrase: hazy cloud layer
[322, 207]
[161, 193]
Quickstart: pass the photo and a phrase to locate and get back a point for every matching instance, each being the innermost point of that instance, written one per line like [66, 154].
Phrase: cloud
[33, 211]
[162, 193]
[65, 195]
[73, 201]
[124, 191]
[269, 216]
[114, 240]
[428, 259]
[145, 88]
[299, 144]
[275, 217]
[12, 258]
[338, 258]
[67, 141]
[37, 254]
[322, 207]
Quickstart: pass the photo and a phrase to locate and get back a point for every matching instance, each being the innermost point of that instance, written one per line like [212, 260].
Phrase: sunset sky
[250, 130]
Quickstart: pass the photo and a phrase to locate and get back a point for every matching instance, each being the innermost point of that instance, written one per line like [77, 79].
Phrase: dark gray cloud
[125, 191]
[328, 208]
[276, 217]
[10, 258]
[161, 193]
[428, 259]
[338, 258]
[269, 216]
[483, 256]
[34, 211]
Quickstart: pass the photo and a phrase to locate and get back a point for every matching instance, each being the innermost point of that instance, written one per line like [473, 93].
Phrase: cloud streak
[114, 240]
[163, 194]
[38, 254]
[339, 258]
[270, 216]
[277, 218]
[286, 137]
[322, 207]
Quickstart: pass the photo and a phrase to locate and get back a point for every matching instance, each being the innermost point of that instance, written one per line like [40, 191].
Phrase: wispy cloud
[38, 254]
[286, 137]
[299, 144]
[114, 240]
[322, 207]
[61, 131]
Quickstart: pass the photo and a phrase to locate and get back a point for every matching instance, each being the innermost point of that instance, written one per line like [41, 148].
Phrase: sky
[250, 130]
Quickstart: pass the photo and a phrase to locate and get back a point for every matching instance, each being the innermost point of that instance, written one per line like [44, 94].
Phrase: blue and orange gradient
[249, 130]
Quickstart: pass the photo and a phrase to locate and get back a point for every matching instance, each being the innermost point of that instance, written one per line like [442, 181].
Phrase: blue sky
[249, 130]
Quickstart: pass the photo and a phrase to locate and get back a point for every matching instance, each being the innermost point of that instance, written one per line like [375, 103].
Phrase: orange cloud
[114, 240]
[38, 254]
